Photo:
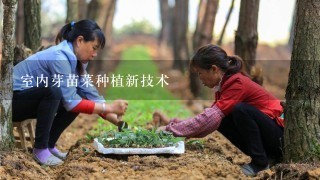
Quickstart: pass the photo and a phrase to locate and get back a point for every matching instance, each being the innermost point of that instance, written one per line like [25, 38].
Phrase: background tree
[201, 12]
[82, 9]
[72, 11]
[203, 35]
[226, 23]
[105, 20]
[103, 13]
[302, 132]
[180, 30]
[166, 18]
[6, 136]
[246, 39]
[93, 9]
[32, 15]
[20, 23]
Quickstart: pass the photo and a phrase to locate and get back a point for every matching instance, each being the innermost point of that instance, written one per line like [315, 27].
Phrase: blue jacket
[59, 59]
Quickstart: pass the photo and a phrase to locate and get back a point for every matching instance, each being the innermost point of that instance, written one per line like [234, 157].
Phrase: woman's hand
[111, 117]
[118, 107]
[116, 120]
[161, 128]
[159, 119]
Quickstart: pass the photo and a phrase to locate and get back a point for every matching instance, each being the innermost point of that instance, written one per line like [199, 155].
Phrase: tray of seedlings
[140, 141]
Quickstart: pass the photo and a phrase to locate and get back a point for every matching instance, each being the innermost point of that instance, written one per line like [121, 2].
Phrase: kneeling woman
[243, 111]
[53, 87]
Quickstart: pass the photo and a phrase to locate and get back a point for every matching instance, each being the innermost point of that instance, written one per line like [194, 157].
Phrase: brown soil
[195, 164]
[218, 159]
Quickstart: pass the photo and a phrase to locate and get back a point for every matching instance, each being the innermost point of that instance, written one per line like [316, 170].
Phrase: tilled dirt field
[218, 159]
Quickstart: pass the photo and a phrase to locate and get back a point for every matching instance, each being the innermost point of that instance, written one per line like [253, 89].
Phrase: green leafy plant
[140, 138]
[196, 144]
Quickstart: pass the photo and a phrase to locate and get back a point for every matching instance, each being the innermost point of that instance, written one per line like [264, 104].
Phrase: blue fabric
[59, 59]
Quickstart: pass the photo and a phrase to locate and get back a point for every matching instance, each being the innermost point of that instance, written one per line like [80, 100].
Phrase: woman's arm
[118, 107]
[87, 106]
[199, 126]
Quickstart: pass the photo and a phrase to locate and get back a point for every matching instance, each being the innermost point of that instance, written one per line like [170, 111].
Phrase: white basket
[177, 149]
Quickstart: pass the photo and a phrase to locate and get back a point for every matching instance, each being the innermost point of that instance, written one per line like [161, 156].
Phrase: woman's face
[86, 50]
[211, 77]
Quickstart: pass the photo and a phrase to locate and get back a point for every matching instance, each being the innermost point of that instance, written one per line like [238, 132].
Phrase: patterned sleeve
[199, 126]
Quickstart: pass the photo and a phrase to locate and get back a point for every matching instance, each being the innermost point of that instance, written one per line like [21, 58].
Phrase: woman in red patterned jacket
[243, 111]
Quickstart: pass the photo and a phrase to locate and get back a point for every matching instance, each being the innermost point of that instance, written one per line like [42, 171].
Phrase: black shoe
[252, 170]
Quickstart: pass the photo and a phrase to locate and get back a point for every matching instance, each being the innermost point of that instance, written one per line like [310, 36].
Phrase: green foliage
[196, 144]
[137, 28]
[85, 150]
[141, 105]
[90, 136]
[137, 62]
[138, 139]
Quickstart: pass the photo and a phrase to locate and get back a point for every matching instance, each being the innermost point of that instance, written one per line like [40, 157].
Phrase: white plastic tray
[178, 149]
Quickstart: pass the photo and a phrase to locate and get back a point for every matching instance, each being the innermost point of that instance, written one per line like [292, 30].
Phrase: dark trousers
[254, 133]
[45, 105]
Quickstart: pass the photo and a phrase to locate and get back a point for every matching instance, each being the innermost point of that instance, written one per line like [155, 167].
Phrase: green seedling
[140, 138]
[86, 150]
[197, 144]
[89, 137]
